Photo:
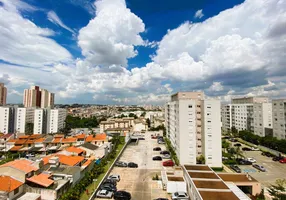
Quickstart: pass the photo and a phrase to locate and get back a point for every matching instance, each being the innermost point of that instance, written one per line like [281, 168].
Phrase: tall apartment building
[279, 118]
[24, 116]
[40, 121]
[37, 97]
[193, 127]
[7, 119]
[56, 120]
[3, 94]
[250, 113]
[226, 117]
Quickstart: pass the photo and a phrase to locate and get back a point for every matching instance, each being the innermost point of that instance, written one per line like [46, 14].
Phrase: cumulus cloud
[216, 86]
[54, 18]
[110, 37]
[24, 43]
[199, 14]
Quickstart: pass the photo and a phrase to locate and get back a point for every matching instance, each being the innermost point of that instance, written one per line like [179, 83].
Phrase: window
[190, 106]
[16, 191]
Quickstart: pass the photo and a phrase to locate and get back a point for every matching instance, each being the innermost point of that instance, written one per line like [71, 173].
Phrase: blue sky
[133, 51]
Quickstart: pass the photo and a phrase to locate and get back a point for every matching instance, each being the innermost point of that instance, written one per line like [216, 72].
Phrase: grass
[94, 185]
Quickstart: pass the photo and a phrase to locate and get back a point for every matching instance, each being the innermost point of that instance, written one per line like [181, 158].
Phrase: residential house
[10, 187]
[3, 141]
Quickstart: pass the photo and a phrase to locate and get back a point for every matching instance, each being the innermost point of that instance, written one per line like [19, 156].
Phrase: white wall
[175, 186]
[39, 121]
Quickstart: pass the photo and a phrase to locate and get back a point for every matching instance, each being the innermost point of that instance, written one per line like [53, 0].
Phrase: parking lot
[138, 181]
[274, 170]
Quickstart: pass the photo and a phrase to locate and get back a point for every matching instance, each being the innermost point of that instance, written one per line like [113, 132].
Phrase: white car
[254, 149]
[252, 160]
[166, 156]
[114, 177]
[104, 194]
[179, 196]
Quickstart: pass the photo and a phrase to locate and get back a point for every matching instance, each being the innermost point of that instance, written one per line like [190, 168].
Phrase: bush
[217, 169]
[230, 162]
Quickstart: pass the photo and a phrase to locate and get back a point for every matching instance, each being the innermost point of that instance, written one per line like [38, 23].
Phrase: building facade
[38, 97]
[23, 116]
[262, 118]
[56, 120]
[3, 94]
[40, 121]
[226, 117]
[279, 118]
[193, 126]
[7, 119]
[249, 100]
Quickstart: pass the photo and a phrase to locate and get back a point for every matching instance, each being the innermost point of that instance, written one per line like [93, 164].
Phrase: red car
[154, 137]
[282, 160]
[168, 163]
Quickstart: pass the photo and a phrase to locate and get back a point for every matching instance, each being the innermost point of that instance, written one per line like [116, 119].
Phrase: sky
[141, 52]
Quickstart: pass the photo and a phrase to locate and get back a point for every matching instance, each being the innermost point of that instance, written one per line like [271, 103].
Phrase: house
[70, 173]
[72, 151]
[30, 196]
[42, 180]
[89, 148]
[3, 141]
[140, 125]
[10, 187]
[97, 139]
[64, 160]
[80, 139]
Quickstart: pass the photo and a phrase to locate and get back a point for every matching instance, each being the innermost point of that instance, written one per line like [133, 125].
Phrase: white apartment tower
[7, 119]
[56, 120]
[3, 94]
[262, 118]
[47, 99]
[226, 117]
[40, 121]
[193, 127]
[24, 116]
[279, 118]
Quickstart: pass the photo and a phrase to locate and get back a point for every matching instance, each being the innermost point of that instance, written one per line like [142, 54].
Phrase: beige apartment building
[279, 118]
[193, 127]
[248, 100]
[38, 97]
[123, 123]
[3, 94]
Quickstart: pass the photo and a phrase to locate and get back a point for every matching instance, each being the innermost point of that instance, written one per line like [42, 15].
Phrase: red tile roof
[58, 136]
[6, 135]
[42, 179]
[23, 165]
[81, 136]
[24, 137]
[22, 141]
[56, 140]
[98, 137]
[12, 140]
[40, 140]
[16, 148]
[69, 140]
[73, 149]
[8, 184]
[63, 159]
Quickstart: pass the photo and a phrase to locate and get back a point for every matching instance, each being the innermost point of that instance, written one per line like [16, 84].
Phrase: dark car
[233, 140]
[122, 195]
[157, 158]
[121, 164]
[267, 154]
[157, 149]
[235, 168]
[243, 161]
[246, 149]
[164, 152]
[132, 165]
[277, 158]
[110, 181]
[108, 187]
[237, 145]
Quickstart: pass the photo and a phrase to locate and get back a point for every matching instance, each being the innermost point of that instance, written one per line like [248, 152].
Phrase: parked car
[160, 137]
[282, 160]
[161, 142]
[121, 164]
[164, 152]
[243, 161]
[277, 158]
[114, 177]
[110, 181]
[237, 145]
[168, 163]
[157, 149]
[235, 168]
[254, 149]
[179, 196]
[122, 195]
[166, 156]
[30, 155]
[233, 140]
[104, 194]
[251, 160]
[157, 158]
[154, 137]
[268, 154]
[246, 149]
[259, 167]
[108, 188]
[132, 165]
[161, 199]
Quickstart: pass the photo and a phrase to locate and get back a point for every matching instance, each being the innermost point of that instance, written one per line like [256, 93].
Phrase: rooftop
[41, 179]
[8, 183]
[203, 175]
[210, 184]
[30, 196]
[218, 195]
[69, 140]
[73, 149]
[23, 165]
[97, 137]
[89, 146]
[197, 167]
[228, 177]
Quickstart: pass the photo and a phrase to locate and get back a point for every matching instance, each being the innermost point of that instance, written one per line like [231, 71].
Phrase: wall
[10, 171]
[46, 194]
[175, 186]
[13, 196]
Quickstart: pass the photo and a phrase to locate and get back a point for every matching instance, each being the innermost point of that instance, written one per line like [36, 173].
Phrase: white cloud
[24, 43]
[199, 14]
[110, 37]
[216, 86]
[18, 5]
[54, 18]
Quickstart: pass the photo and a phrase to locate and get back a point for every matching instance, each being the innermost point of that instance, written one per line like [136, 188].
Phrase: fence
[109, 170]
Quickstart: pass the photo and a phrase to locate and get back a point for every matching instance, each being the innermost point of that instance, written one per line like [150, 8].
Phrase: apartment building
[123, 123]
[38, 97]
[249, 100]
[23, 116]
[226, 117]
[3, 94]
[7, 119]
[193, 127]
[40, 121]
[55, 120]
[279, 118]
[242, 116]
[262, 118]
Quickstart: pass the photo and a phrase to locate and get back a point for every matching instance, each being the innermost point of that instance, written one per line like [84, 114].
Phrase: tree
[234, 131]
[201, 160]
[29, 129]
[225, 145]
[260, 196]
[143, 114]
[133, 115]
[278, 190]
[148, 122]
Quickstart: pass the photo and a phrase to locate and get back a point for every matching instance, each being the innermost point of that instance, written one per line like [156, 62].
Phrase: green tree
[133, 115]
[148, 122]
[260, 196]
[143, 114]
[29, 128]
[201, 160]
[278, 190]
[225, 145]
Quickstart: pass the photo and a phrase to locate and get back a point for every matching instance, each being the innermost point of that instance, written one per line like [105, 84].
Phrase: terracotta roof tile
[58, 136]
[40, 140]
[98, 137]
[56, 140]
[9, 184]
[46, 159]
[24, 137]
[22, 141]
[69, 140]
[12, 140]
[23, 165]
[16, 148]
[63, 159]
[74, 150]
[6, 135]
[81, 136]
[41, 179]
